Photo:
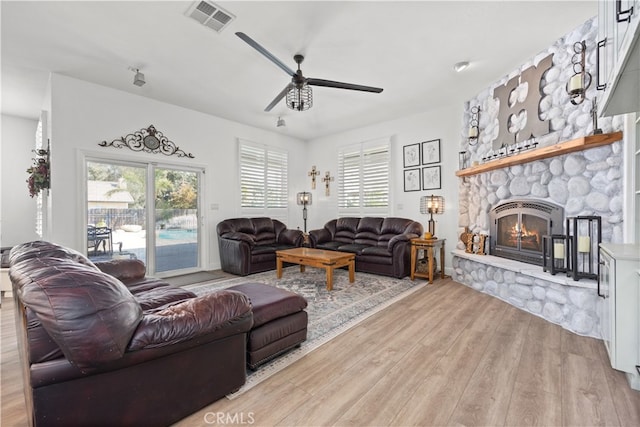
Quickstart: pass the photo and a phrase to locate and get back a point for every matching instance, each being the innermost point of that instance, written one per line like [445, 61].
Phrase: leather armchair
[249, 245]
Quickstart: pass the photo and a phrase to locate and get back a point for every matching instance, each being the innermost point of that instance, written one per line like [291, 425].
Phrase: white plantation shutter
[264, 188]
[363, 179]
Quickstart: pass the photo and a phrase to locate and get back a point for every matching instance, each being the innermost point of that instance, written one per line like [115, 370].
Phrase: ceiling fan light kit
[298, 93]
[300, 98]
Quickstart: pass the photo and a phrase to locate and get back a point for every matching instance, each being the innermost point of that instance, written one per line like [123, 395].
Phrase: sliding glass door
[176, 218]
[133, 207]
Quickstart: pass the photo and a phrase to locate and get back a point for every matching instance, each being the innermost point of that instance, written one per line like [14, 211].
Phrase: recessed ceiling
[407, 48]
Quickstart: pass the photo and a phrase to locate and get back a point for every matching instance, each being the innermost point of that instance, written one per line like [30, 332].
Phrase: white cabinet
[618, 74]
[619, 317]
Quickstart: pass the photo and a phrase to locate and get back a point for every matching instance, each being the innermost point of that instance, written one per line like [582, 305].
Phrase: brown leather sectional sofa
[104, 345]
[249, 245]
[382, 245]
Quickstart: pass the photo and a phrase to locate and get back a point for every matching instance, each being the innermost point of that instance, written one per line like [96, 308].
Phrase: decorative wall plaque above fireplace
[517, 227]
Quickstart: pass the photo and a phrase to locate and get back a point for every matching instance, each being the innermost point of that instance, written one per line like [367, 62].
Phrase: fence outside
[165, 218]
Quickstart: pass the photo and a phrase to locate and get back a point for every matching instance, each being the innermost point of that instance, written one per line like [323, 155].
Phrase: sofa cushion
[354, 248]
[41, 249]
[89, 314]
[376, 251]
[190, 319]
[346, 229]
[162, 296]
[264, 231]
[331, 246]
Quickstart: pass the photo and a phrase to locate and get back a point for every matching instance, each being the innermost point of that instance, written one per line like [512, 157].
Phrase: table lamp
[430, 205]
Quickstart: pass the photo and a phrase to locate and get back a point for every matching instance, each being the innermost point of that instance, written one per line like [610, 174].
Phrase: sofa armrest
[400, 238]
[321, 235]
[123, 269]
[242, 237]
[191, 319]
[291, 237]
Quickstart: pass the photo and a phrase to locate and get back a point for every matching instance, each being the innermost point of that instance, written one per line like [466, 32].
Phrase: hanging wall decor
[149, 140]
[313, 173]
[327, 179]
[40, 173]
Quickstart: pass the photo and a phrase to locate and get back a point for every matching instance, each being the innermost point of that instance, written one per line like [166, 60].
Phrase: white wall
[84, 114]
[443, 123]
[17, 209]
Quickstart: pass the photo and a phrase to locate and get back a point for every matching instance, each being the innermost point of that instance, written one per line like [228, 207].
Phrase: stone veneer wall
[584, 183]
[573, 305]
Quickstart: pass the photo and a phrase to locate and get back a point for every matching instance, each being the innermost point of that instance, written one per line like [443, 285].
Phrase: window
[263, 181]
[363, 179]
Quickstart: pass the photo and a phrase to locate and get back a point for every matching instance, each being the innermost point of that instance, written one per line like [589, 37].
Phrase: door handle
[623, 15]
[600, 294]
[601, 44]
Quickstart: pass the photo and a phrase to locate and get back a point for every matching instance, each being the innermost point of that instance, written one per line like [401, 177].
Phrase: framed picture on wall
[431, 178]
[411, 155]
[431, 151]
[412, 179]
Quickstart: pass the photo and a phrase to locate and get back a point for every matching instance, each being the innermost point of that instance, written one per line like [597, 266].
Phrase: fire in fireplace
[517, 227]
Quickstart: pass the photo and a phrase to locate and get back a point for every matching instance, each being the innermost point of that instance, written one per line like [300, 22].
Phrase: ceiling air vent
[210, 15]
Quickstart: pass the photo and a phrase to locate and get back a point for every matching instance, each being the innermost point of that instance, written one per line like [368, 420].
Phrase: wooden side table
[428, 245]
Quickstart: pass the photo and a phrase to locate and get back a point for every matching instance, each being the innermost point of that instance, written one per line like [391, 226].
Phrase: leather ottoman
[279, 322]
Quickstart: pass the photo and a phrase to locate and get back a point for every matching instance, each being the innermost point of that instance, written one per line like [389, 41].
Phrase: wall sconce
[584, 233]
[555, 254]
[313, 173]
[281, 123]
[474, 125]
[304, 198]
[327, 179]
[432, 205]
[581, 80]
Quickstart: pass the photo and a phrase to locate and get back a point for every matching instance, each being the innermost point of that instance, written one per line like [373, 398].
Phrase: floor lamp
[304, 199]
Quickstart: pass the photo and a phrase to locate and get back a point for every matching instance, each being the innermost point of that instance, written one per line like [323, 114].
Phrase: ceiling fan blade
[279, 97]
[340, 85]
[251, 42]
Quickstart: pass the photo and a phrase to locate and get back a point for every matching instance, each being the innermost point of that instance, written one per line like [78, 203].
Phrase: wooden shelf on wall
[558, 149]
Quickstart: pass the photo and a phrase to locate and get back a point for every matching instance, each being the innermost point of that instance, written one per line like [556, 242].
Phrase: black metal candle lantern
[462, 160]
[555, 253]
[585, 233]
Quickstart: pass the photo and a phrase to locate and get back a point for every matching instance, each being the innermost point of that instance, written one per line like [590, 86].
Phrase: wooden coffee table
[319, 258]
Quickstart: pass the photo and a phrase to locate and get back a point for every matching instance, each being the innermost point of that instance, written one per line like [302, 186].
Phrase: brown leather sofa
[249, 245]
[104, 345]
[382, 245]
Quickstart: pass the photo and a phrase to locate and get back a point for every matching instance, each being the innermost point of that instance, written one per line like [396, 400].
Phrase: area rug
[330, 312]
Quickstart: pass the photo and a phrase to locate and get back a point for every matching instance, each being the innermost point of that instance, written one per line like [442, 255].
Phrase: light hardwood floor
[446, 355]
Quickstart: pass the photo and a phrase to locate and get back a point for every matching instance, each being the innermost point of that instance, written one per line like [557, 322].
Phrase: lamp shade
[431, 204]
[303, 198]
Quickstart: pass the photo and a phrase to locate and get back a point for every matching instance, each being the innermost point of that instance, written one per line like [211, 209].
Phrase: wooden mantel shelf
[561, 148]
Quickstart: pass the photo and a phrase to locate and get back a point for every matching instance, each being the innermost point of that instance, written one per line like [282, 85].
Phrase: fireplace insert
[517, 227]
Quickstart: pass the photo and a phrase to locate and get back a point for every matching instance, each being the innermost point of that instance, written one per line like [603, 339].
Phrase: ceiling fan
[298, 93]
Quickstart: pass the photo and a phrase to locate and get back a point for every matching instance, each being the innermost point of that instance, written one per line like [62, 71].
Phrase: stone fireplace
[517, 227]
[514, 204]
